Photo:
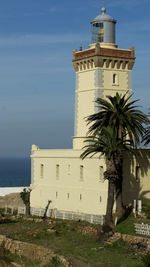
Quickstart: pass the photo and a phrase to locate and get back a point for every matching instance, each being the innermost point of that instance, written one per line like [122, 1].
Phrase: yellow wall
[93, 83]
[92, 187]
[137, 188]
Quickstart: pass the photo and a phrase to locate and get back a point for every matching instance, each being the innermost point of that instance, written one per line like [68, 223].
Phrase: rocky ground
[11, 200]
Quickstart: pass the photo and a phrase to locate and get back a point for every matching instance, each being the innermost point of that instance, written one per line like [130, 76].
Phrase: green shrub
[55, 261]
[146, 260]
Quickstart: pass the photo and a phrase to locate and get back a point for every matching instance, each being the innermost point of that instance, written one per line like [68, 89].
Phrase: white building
[74, 185]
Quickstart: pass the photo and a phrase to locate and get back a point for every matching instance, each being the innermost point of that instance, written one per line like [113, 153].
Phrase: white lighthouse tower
[101, 70]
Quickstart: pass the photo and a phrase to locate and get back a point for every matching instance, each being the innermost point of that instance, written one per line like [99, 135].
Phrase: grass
[6, 259]
[66, 238]
[126, 226]
[146, 259]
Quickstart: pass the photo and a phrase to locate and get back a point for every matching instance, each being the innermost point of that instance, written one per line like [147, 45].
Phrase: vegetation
[74, 239]
[108, 144]
[147, 134]
[25, 195]
[8, 259]
[146, 260]
[119, 117]
[126, 226]
[146, 210]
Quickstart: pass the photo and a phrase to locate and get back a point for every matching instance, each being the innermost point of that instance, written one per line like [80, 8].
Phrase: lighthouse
[101, 70]
[76, 188]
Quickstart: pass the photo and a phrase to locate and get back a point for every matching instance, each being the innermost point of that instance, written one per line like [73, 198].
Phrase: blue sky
[37, 79]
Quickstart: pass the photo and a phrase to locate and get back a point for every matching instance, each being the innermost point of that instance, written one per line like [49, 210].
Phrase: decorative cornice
[103, 58]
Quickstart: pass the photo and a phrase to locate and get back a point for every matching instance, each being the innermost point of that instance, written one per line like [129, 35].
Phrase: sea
[15, 172]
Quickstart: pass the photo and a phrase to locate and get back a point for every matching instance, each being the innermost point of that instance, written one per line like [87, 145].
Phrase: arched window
[101, 174]
[81, 172]
[114, 78]
[57, 171]
[42, 170]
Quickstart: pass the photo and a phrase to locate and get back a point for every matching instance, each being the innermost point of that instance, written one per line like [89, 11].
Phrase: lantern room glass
[97, 32]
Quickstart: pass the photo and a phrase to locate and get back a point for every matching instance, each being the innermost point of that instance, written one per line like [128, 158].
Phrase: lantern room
[103, 28]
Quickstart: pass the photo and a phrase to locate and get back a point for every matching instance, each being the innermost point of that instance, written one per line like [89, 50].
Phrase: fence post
[139, 206]
[5, 209]
[134, 207]
[91, 218]
[12, 210]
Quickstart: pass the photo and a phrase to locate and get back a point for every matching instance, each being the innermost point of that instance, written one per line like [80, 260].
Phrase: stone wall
[133, 240]
[31, 251]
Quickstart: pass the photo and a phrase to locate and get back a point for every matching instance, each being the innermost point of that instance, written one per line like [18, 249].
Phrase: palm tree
[146, 138]
[108, 144]
[121, 114]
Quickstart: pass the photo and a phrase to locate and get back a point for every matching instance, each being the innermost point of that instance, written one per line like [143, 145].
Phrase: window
[81, 172]
[42, 171]
[100, 36]
[57, 171]
[114, 78]
[69, 169]
[137, 173]
[80, 197]
[98, 32]
[100, 199]
[56, 194]
[68, 195]
[101, 25]
[101, 174]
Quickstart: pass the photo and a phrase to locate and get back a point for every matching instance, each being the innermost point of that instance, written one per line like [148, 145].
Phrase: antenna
[103, 9]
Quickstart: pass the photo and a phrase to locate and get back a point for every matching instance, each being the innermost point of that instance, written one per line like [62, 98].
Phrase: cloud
[52, 9]
[40, 39]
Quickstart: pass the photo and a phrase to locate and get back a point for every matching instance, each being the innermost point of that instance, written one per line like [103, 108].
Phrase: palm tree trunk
[120, 209]
[119, 201]
[110, 203]
[112, 175]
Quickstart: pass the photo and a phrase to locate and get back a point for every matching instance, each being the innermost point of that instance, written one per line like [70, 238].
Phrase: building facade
[75, 185]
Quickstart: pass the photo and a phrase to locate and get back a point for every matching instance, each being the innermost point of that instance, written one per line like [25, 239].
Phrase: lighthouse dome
[103, 16]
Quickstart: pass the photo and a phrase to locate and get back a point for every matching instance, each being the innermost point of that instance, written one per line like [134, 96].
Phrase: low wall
[31, 251]
[133, 239]
[65, 215]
